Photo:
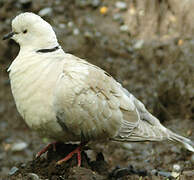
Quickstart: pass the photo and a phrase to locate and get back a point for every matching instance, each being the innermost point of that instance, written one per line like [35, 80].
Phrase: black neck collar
[48, 50]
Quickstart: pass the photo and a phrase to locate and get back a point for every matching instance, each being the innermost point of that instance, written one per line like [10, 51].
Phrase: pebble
[76, 31]
[154, 172]
[121, 5]
[124, 28]
[117, 17]
[176, 168]
[138, 44]
[109, 59]
[12, 171]
[95, 3]
[88, 34]
[19, 146]
[141, 12]
[70, 24]
[165, 174]
[23, 165]
[33, 176]
[45, 12]
[89, 20]
[127, 146]
[85, 3]
[62, 26]
[98, 34]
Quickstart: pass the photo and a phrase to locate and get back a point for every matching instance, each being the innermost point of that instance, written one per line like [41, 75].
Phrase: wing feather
[88, 98]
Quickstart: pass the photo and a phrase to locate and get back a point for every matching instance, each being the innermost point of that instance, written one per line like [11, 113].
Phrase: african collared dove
[66, 98]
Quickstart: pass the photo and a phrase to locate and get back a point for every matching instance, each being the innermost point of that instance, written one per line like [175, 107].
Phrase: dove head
[31, 31]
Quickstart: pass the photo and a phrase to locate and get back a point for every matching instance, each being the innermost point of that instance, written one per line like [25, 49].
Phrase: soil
[148, 47]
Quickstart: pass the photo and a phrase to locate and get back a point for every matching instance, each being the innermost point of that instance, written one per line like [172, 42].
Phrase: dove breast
[33, 77]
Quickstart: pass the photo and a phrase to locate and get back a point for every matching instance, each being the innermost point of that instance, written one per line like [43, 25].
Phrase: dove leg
[45, 149]
[69, 156]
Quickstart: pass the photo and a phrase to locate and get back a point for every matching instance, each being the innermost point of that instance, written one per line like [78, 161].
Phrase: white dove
[67, 99]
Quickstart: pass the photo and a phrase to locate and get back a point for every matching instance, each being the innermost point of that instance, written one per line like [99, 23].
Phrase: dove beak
[9, 35]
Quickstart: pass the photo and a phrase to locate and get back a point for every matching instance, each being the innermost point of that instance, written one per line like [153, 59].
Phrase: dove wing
[90, 104]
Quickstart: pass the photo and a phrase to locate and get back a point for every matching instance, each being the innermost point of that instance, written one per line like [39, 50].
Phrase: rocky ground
[146, 46]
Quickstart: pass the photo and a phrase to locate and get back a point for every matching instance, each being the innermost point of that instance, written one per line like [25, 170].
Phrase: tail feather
[147, 132]
[187, 143]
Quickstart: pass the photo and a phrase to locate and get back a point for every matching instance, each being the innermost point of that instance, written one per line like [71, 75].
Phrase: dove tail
[187, 143]
[147, 132]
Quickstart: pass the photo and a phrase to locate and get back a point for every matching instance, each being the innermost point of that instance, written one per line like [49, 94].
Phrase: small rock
[109, 59]
[85, 3]
[154, 172]
[33, 176]
[95, 3]
[124, 28]
[127, 146]
[70, 24]
[141, 12]
[12, 171]
[89, 21]
[121, 5]
[19, 146]
[139, 44]
[88, 34]
[176, 168]
[117, 17]
[165, 174]
[76, 31]
[23, 165]
[62, 26]
[97, 34]
[45, 12]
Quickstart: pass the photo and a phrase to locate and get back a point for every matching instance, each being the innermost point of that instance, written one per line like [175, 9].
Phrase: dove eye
[25, 31]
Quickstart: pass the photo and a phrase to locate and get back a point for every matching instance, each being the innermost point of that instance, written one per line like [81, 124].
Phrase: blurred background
[147, 45]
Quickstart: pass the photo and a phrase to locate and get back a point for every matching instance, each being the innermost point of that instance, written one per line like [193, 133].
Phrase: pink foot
[69, 156]
[45, 149]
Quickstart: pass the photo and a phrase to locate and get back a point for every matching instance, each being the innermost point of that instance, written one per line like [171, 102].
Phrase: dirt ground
[148, 47]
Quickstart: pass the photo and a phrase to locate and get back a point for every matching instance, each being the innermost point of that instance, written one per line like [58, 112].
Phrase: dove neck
[41, 49]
